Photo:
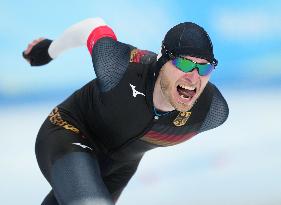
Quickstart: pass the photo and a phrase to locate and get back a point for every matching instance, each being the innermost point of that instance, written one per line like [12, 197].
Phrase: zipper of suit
[153, 120]
[131, 140]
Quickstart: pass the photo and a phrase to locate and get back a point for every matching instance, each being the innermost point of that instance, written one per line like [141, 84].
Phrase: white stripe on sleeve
[76, 35]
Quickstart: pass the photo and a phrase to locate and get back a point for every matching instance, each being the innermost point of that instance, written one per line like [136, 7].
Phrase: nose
[193, 75]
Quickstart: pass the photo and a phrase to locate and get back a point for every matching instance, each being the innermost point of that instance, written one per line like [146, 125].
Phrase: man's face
[181, 89]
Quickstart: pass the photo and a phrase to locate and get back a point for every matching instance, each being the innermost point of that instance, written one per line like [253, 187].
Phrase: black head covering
[186, 39]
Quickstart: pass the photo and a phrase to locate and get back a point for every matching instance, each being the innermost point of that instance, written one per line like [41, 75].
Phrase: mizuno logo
[81, 145]
[135, 92]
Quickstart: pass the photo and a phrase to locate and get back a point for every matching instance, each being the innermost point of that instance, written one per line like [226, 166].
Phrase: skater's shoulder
[142, 56]
[218, 111]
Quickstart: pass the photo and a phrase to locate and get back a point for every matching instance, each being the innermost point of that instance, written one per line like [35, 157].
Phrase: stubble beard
[166, 88]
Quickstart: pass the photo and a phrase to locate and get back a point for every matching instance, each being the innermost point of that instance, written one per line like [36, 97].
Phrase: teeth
[187, 87]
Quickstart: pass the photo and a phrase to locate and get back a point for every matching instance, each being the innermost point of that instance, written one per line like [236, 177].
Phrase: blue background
[247, 40]
[237, 163]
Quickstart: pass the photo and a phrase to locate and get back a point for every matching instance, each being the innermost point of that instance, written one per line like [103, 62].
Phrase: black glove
[39, 53]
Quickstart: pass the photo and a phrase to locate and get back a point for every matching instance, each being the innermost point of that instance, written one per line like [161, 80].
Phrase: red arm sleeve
[98, 33]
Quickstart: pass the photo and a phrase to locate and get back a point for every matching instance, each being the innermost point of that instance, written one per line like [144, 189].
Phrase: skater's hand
[31, 45]
[36, 52]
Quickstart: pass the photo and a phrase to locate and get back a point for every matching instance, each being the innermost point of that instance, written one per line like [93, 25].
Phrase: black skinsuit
[113, 119]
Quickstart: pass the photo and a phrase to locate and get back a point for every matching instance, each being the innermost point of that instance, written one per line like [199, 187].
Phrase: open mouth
[186, 92]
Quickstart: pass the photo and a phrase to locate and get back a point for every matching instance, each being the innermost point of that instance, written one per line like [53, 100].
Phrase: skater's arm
[41, 51]
[74, 36]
